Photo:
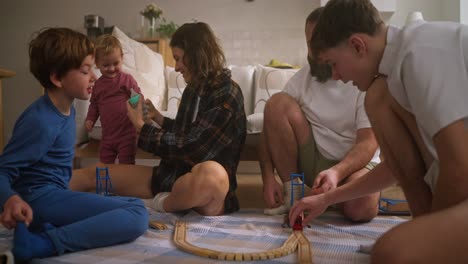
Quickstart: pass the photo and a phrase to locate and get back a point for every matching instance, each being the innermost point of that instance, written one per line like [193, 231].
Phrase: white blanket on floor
[334, 239]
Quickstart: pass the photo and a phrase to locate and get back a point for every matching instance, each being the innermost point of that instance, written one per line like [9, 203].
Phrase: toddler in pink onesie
[109, 99]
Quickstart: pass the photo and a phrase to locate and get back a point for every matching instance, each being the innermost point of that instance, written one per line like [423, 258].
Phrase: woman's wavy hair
[203, 55]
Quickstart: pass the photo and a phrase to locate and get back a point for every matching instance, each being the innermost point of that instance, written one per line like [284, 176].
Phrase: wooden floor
[250, 191]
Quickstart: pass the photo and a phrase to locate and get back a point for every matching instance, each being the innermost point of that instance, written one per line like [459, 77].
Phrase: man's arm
[452, 149]
[359, 155]
[373, 181]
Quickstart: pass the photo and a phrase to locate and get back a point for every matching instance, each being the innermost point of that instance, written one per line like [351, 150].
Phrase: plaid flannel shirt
[210, 125]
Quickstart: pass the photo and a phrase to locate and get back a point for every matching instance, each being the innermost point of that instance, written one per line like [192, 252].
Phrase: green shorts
[312, 162]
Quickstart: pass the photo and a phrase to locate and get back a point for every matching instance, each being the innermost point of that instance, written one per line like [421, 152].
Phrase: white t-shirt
[426, 64]
[335, 111]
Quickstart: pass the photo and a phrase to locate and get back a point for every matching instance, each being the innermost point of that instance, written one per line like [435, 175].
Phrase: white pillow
[255, 123]
[146, 67]
[269, 81]
[174, 95]
[175, 87]
[244, 77]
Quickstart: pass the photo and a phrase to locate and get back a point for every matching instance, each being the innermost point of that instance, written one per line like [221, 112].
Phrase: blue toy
[134, 97]
[105, 190]
[293, 176]
[385, 203]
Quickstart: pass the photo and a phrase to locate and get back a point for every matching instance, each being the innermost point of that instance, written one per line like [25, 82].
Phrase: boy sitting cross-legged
[36, 165]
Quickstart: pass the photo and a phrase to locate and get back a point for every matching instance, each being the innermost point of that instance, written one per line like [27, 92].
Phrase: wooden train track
[296, 241]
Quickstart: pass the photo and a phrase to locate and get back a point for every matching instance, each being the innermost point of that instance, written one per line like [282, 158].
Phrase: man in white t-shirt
[416, 80]
[317, 126]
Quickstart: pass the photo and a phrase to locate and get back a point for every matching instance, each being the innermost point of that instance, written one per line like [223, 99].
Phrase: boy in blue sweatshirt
[36, 165]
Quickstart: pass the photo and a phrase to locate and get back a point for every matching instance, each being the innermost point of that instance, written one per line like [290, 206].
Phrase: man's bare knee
[279, 107]
[278, 103]
[283, 111]
[361, 210]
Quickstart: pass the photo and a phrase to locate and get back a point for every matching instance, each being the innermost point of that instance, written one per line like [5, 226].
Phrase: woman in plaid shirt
[200, 149]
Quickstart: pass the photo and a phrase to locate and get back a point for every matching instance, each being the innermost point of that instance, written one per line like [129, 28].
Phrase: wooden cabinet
[3, 74]
[161, 46]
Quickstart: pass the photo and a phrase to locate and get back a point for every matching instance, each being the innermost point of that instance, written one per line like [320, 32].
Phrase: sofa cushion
[175, 87]
[244, 77]
[254, 123]
[269, 81]
[145, 65]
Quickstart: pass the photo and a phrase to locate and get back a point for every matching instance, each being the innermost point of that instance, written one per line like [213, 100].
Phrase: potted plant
[152, 13]
[167, 29]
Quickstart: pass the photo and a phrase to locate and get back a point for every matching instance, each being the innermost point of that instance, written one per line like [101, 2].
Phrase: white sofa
[258, 84]
[164, 86]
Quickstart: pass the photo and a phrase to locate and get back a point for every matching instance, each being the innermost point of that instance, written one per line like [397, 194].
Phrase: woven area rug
[333, 238]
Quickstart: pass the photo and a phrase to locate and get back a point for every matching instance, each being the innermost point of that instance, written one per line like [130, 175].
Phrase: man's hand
[135, 115]
[326, 180]
[15, 210]
[89, 125]
[314, 205]
[272, 193]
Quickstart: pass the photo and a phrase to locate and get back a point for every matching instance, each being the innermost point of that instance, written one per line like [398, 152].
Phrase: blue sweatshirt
[40, 152]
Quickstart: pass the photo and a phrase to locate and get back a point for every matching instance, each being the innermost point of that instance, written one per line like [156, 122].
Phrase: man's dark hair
[342, 18]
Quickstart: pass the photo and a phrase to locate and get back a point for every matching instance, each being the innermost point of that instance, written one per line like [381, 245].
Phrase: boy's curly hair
[57, 51]
[105, 44]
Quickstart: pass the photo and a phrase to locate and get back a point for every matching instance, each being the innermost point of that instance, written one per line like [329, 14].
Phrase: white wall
[463, 7]
[250, 32]
[431, 10]
[450, 10]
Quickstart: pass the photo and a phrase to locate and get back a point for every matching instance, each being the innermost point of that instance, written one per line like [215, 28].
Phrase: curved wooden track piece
[304, 249]
[297, 240]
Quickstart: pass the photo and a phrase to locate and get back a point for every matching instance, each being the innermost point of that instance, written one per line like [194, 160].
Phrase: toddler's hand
[135, 115]
[89, 125]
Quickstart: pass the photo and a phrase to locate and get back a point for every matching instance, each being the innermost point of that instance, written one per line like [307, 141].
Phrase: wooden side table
[161, 46]
[3, 74]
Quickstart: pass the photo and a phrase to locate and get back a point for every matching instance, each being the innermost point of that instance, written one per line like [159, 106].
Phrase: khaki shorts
[312, 162]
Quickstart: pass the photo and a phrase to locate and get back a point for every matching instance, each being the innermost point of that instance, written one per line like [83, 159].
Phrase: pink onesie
[109, 101]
